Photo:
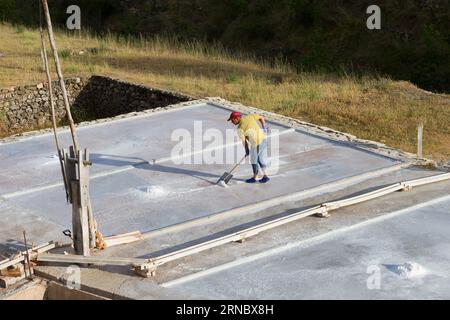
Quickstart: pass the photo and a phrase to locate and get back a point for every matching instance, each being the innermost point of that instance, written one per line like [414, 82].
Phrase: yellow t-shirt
[248, 128]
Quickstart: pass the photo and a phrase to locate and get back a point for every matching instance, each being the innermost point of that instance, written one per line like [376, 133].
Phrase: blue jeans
[258, 156]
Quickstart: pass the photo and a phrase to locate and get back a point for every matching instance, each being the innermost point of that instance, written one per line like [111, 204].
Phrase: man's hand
[263, 122]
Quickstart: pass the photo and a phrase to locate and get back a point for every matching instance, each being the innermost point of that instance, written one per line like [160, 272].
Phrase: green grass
[370, 107]
[65, 54]
[232, 77]
[20, 29]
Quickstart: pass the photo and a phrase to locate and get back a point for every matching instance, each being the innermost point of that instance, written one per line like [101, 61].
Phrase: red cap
[234, 115]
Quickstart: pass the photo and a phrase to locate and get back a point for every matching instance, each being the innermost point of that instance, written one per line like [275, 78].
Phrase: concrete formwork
[364, 261]
[133, 193]
[138, 184]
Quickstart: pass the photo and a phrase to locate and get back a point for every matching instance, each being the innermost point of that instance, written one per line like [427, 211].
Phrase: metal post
[419, 140]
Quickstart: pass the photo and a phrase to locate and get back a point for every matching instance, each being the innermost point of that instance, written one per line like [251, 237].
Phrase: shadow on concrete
[11, 247]
[222, 233]
[116, 160]
[139, 163]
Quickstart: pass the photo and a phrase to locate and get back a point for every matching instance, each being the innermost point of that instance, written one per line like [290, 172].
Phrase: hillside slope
[375, 108]
[413, 43]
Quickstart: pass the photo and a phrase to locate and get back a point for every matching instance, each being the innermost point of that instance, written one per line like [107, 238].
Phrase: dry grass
[370, 107]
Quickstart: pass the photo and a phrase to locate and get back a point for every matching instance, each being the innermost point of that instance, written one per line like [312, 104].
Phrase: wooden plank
[17, 270]
[145, 270]
[45, 247]
[79, 224]
[59, 72]
[84, 166]
[92, 226]
[363, 197]
[236, 236]
[83, 174]
[52, 104]
[71, 171]
[83, 223]
[427, 180]
[87, 227]
[6, 282]
[21, 257]
[70, 258]
[122, 238]
[75, 217]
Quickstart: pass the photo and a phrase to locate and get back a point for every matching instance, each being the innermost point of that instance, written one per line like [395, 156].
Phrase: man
[254, 140]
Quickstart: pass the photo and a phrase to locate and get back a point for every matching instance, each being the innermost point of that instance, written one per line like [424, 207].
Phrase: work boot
[264, 179]
[251, 180]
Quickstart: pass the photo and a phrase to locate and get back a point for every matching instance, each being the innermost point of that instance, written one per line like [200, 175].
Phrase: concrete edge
[113, 286]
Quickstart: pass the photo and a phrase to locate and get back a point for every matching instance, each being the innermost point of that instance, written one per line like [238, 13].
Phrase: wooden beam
[92, 226]
[33, 253]
[96, 260]
[236, 236]
[17, 270]
[363, 197]
[70, 170]
[88, 228]
[122, 238]
[142, 267]
[427, 180]
[52, 102]
[80, 223]
[6, 282]
[59, 73]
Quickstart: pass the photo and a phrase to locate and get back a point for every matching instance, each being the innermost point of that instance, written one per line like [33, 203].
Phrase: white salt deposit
[152, 192]
[222, 184]
[54, 159]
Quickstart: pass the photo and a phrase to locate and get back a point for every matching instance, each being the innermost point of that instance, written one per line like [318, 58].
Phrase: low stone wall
[28, 107]
[103, 97]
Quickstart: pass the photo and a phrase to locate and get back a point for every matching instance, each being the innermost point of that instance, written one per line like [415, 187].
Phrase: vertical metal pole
[419, 140]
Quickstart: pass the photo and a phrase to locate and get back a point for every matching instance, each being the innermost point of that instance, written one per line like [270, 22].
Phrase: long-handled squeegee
[226, 177]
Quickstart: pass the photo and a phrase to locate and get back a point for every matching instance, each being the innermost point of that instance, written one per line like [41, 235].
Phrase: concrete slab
[150, 196]
[303, 233]
[345, 264]
[114, 286]
[32, 161]
[177, 238]
[131, 192]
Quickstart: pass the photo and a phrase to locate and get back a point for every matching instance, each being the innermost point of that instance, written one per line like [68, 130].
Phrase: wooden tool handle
[237, 165]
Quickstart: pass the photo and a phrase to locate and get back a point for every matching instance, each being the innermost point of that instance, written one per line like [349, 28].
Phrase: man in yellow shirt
[255, 141]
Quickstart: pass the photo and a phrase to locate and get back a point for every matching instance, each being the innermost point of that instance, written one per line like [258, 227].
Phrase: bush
[65, 53]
